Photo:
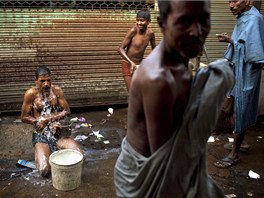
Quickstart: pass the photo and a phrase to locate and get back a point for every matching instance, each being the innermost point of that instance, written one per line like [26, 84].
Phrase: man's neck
[142, 31]
[45, 94]
[172, 58]
[247, 8]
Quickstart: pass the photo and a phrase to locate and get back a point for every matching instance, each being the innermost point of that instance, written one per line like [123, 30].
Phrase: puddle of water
[36, 179]
[93, 155]
[8, 167]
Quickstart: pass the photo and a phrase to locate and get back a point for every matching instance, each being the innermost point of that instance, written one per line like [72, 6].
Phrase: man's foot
[227, 162]
[244, 147]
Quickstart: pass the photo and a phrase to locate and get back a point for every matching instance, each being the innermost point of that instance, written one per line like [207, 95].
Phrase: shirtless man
[170, 113]
[44, 105]
[167, 69]
[133, 46]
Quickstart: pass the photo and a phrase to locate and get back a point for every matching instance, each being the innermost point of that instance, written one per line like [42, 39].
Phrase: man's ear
[248, 2]
[161, 25]
[148, 22]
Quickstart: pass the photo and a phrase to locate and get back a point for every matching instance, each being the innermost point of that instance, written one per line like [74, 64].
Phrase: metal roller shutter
[79, 45]
[222, 20]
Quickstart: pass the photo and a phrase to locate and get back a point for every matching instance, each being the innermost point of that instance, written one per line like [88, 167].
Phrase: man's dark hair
[144, 14]
[164, 9]
[42, 70]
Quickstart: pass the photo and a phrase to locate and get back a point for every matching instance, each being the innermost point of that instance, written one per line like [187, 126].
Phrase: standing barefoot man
[133, 46]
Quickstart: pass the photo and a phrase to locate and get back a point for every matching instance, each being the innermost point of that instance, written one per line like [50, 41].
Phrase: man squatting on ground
[246, 53]
[134, 44]
[171, 114]
[43, 106]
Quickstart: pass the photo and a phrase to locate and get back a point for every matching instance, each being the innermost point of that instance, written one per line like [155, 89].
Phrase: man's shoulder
[151, 73]
[32, 91]
[149, 64]
[149, 30]
[133, 29]
[254, 15]
[56, 88]
[255, 11]
[131, 32]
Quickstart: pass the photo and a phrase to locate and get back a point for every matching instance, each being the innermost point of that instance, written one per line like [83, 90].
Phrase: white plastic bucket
[66, 169]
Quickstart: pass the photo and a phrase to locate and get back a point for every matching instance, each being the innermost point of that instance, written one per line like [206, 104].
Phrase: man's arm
[158, 108]
[152, 40]
[223, 37]
[125, 43]
[63, 105]
[26, 111]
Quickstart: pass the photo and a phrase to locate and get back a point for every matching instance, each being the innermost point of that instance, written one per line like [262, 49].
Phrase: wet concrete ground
[97, 174]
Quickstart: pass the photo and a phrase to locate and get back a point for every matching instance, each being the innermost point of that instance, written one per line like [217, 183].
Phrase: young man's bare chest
[140, 41]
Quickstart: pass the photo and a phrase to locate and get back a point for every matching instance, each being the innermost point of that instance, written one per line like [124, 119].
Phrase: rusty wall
[80, 48]
[222, 20]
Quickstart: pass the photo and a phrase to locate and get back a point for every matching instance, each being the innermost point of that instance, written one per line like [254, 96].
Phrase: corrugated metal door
[262, 7]
[222, 20]
[80, 47]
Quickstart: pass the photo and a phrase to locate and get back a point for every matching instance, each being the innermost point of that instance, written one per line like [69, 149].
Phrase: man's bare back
[145, 121]
[160, 87]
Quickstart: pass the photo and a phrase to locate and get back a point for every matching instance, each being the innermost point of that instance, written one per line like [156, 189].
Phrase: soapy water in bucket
[66, 157]
[66, 169]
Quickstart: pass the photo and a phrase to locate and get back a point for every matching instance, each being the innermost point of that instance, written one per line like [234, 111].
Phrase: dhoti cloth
[126, 68]
[179, 167]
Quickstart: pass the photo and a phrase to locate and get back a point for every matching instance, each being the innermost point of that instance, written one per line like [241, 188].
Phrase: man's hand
[56, 128]
[133, 67]
[42, 123]
[224, 37]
